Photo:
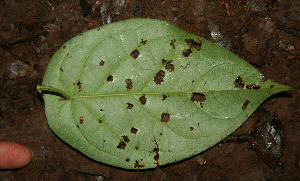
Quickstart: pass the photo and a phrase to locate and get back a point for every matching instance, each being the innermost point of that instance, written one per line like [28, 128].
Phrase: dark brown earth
[265, 33]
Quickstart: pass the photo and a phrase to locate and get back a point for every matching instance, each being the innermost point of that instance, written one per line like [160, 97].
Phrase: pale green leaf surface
[193, 126]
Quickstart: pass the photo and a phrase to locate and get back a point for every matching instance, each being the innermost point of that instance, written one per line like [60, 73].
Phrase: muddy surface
[264, 33]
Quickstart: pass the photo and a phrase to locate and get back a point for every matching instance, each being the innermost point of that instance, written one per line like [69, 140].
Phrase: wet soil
[265, 33]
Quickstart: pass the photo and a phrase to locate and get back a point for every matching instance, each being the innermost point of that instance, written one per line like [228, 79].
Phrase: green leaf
[142, 92]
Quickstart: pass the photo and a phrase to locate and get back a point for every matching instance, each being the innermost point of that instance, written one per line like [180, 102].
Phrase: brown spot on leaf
[186, 52]
[239, 83]
[173, 43]
[61, 69]
[135, 54]
[159, 77]
[64, 47]
[100, 121]
[194, 44]
[165, 117]
[271, 87]
[143, 42]
[101, 63]
[128, 84]
[164, 97]
[253, 86]
[245, 105]
[143, 100]
[110, 78]
[198, 97]
[133, 130]
[121, 145]
[126, 139]
[81, 120]
[129, 106]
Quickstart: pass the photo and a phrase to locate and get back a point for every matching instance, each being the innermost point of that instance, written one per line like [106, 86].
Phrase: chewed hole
[133, 130]
[198, 97]
[164, 97]
[81, 120]
[239, 83]
[194, 44]
[159, 77]
[129, 106]
[110, 78]
[245, 105]
[128, 84]
[101, 63]
[186, 52]
[165, 117]
[127, 160]
[143, 100]
[135, 54]
[121, 145]
[126, 139]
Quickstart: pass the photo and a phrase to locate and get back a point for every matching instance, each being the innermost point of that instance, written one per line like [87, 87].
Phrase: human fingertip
[14, 155]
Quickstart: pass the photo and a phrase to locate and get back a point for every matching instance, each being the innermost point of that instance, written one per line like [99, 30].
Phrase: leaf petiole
[53, 89]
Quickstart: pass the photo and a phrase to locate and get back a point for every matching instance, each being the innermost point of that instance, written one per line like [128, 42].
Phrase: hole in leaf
[81, 120]
[143, 100]
[133, 130]
[121, 145]
[173, 43]
[239, 83]
[164, 97]
[100, 121]
[253, 86]
[163, 61]
[127, 160]
[79, 85]
[64, 47]
[129, 106]
[61, 69]
[136, 147]
[165, 117]
[198, 97]
[110, 78]
[101, 110]
[156, 151]
[137, 165]
[160, 134]
[135, 54]
[101, 63]
[159, 77]
[143, 42]
[128, 84]
[191, 128]
[245, 104]
[186, 52]
[126, 139]
[170, 67]
[194, 44]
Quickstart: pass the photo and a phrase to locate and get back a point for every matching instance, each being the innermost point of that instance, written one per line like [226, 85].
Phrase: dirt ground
[265, 33]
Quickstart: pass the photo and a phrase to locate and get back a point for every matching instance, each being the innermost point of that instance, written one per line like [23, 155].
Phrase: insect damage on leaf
[239, 83]
[143, 100]
[128, 84]
[151, 97]
[165, 117]
[135, 54]
[159, 77]
[198, 97]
